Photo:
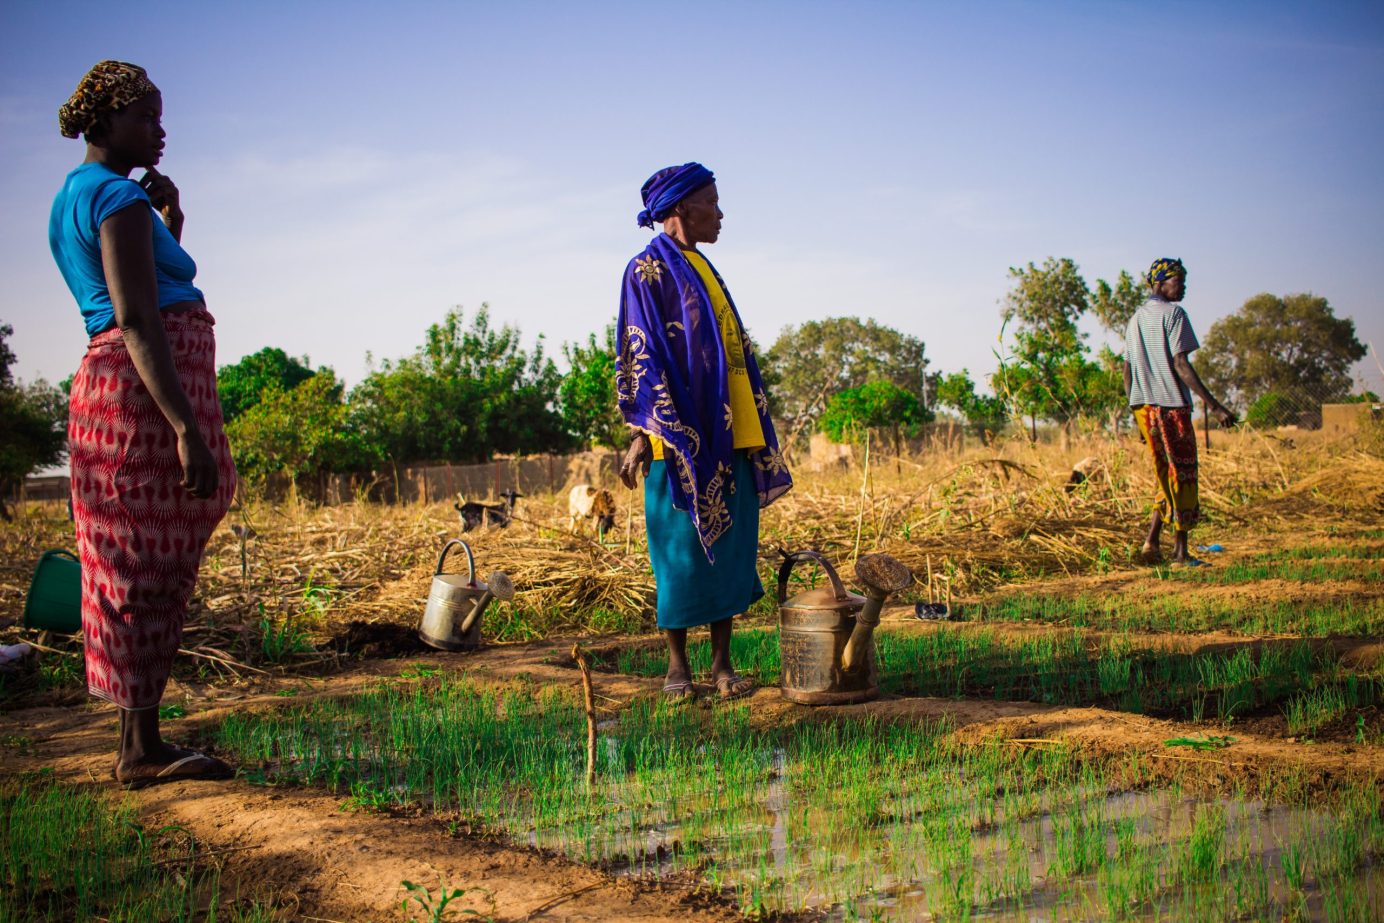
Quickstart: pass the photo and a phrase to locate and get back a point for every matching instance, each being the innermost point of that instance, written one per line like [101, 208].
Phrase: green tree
[878, 404]
[1102, 388]
[1293, 346]
[241, 385]
[1271, 409]
[810, 363]
[1115, 305]
[586, 396]
[466, 393]
[1048, 374]
[33, 425]
[983, 413]
[7, 357]
[297, 432]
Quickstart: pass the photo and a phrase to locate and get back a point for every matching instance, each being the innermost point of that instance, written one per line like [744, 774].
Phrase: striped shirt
[1156, 333]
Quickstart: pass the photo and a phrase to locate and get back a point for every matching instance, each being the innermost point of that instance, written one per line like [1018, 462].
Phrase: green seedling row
[75, 853]
[1314, 570]
[1062, 668]
[859, 819]
[1190, 612]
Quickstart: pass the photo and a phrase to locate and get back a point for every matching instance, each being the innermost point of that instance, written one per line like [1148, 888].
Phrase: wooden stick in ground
[588, 694]
[864, 482]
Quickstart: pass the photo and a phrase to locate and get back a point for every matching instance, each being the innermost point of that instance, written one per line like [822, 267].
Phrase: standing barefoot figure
[151, 469]
[1160, 379]
[689, 387]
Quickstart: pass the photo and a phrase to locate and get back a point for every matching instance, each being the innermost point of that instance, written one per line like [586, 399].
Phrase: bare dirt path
[1268, 590]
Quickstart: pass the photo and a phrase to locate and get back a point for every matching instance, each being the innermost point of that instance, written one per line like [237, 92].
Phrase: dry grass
[965, 523]
[1004, 515]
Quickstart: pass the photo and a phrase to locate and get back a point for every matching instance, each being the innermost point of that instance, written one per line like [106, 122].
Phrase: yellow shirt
[744, 416]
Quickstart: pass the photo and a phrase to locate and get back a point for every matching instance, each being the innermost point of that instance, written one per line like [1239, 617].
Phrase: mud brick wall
[530, 474]
[1339, 419]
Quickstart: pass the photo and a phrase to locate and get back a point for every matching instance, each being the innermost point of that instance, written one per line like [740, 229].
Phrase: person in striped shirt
[1160, 381]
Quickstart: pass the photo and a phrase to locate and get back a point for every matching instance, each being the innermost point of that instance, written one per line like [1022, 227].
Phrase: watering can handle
[470, 559]
[787, 566]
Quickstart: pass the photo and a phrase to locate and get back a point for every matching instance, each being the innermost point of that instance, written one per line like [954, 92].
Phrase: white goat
[587, 502]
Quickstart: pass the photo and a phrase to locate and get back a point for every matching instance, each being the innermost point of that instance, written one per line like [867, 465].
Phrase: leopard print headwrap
[105, 88]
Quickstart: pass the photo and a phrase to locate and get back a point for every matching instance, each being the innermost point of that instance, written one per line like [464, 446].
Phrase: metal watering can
[826, 635]
[452, 620]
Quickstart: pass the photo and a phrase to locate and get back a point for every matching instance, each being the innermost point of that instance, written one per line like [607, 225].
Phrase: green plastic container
[54, 602]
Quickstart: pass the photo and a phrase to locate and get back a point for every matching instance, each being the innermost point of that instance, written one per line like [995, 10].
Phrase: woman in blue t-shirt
[151, 469]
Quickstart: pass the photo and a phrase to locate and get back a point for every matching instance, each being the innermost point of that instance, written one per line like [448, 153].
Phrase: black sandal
[176, 771]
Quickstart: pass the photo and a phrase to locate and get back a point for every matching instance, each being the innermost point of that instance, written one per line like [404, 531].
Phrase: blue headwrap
[1164, 269]
[669, 186]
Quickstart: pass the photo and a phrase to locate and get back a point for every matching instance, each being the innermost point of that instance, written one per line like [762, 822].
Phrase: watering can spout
[881, 576]
[498, 586]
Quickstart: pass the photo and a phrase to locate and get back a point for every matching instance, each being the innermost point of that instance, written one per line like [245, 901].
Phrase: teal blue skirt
[692, 591]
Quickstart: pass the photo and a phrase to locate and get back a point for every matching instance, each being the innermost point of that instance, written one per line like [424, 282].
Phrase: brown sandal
[734, 686]
[684, 691]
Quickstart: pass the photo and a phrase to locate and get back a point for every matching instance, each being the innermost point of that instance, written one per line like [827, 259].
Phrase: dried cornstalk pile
[371, 562]
[1005, 514]
[963, 523]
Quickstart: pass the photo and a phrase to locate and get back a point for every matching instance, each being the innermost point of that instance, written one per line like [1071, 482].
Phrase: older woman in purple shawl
[690, 389]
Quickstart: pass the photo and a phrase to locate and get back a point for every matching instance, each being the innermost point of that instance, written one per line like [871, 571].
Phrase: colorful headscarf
[669, 186]
[1164, 269]
[108, 86]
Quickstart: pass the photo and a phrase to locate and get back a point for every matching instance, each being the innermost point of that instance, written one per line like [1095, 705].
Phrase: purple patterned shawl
[671, 382]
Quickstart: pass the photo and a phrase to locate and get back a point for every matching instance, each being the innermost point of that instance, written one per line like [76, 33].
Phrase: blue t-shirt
[91, 194]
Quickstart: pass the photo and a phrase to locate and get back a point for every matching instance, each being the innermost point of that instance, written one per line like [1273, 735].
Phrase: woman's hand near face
[163, 195]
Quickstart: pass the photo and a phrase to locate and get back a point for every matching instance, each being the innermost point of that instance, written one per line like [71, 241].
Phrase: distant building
[1340, 419]
[46, 487]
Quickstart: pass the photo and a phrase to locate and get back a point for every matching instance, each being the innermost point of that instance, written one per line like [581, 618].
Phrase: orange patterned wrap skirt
[1172, 440]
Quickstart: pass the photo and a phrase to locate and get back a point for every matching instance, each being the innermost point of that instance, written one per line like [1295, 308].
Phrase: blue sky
[351, 170]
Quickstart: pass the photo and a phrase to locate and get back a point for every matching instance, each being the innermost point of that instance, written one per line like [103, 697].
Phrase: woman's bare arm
[127, 254]
[1188, 373]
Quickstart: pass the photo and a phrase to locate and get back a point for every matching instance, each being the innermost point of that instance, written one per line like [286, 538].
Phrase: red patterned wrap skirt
[140, 535]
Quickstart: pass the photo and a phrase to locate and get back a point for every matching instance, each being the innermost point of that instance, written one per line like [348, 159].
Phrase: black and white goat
[474, 515]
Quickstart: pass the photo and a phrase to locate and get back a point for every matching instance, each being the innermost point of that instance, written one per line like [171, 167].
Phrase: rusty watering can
[826, 635]
[452, 620]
